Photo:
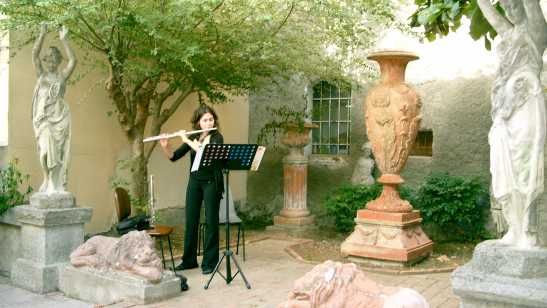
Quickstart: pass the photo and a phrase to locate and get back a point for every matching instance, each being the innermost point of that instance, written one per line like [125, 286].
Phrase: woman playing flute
[205, 185]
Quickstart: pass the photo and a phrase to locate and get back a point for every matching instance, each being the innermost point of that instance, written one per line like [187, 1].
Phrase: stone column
[295, 212]
[295, 187]
[51, 228]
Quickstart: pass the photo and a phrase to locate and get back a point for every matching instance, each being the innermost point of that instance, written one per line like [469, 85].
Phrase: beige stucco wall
[98, 142]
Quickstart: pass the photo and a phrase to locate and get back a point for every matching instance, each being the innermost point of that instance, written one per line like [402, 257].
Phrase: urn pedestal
[388, 231]
[295, 212]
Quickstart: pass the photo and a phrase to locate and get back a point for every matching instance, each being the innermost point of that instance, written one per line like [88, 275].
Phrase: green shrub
[10, 180]
[345, 201]
[454, 205]
[256, 216]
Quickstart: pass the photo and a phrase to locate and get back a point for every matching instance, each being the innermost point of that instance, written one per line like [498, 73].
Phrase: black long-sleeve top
[204, 173]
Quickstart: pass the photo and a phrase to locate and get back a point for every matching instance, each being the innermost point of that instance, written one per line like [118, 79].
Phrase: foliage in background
[439, 17]
[454, 204]
[281, 118]
[344, 202]
[256, 216]
[11, 183]
[156, 53]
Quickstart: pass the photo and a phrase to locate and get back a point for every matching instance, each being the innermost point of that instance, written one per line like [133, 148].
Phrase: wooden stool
[161, 232]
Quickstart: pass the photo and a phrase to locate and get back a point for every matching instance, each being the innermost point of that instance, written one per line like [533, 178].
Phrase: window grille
[331, 111]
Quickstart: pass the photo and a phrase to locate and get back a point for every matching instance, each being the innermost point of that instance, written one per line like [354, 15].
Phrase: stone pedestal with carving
[395, 238]
[502, 276]
[48, 236]
[388, 231]
[295, 212]
[108, 287]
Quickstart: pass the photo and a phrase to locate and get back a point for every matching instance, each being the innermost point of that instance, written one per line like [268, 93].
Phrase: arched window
[331, 112]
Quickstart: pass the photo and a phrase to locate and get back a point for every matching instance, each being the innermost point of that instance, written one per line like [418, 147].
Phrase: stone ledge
[495, 258]
[34, 276]
[498, 291]
[502, 276]
[107, 287]
[293, 221]
[55, 200]
[9, 217]
[52, 217]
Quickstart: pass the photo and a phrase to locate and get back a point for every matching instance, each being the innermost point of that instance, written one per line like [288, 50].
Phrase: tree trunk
[139, 173]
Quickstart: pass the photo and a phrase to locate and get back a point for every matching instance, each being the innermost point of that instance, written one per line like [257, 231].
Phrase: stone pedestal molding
[108, 287]
[395, 238]
[51, 201]
[48, 236]
[502, 276]
[295, 178]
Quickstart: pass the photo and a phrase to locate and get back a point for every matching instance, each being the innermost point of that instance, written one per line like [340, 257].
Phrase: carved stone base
[57, 200]
[107, 287]
[293, 221]
[48, 236]
[502, 276]
[393, 237]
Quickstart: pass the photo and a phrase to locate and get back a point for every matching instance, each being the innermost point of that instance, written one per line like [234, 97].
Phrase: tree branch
[284, 20]
[167, 113]
[100, 39]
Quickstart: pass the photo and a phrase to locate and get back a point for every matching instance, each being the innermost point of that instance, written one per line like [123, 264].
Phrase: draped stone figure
[50, 113]
[517, 135]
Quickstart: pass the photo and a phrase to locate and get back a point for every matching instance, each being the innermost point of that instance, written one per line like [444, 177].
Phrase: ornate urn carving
[297, 138]
[392, 118]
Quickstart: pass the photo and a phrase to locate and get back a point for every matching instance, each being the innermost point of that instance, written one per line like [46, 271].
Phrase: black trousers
[198, 192]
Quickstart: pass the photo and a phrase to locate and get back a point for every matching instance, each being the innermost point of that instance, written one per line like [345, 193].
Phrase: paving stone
[271, 273]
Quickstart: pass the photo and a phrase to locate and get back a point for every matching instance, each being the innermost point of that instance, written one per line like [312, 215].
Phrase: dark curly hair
[199, 112]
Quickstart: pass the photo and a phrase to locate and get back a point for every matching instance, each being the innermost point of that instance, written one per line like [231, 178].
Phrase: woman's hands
[192, 143]
[164, 142]
[182, 135]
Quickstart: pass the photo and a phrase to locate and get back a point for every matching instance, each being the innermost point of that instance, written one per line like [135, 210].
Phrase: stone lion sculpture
[333, 284]
[133, 253]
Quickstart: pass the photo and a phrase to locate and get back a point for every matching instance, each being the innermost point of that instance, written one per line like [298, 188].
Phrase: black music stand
[228, 157]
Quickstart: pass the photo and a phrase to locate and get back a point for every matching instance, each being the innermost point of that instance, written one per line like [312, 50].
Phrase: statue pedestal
[502, 276]
[58, 200]
[108, 287]
[390, 239]
[295, 177]
[48, 236]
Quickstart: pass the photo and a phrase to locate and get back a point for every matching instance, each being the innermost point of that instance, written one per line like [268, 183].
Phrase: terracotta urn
[392, 118]
[296, 138]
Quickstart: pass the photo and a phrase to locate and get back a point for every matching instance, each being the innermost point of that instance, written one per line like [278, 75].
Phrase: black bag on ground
[139, 222]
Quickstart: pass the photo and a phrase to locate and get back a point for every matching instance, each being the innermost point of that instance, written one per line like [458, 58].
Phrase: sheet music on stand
[239, 156]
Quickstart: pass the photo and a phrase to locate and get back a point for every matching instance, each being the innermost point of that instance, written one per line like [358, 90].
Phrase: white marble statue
[50, 113]
[517, 135]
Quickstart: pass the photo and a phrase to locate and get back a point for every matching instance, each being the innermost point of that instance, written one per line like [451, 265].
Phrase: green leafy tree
[439, 17]
[157, 52]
